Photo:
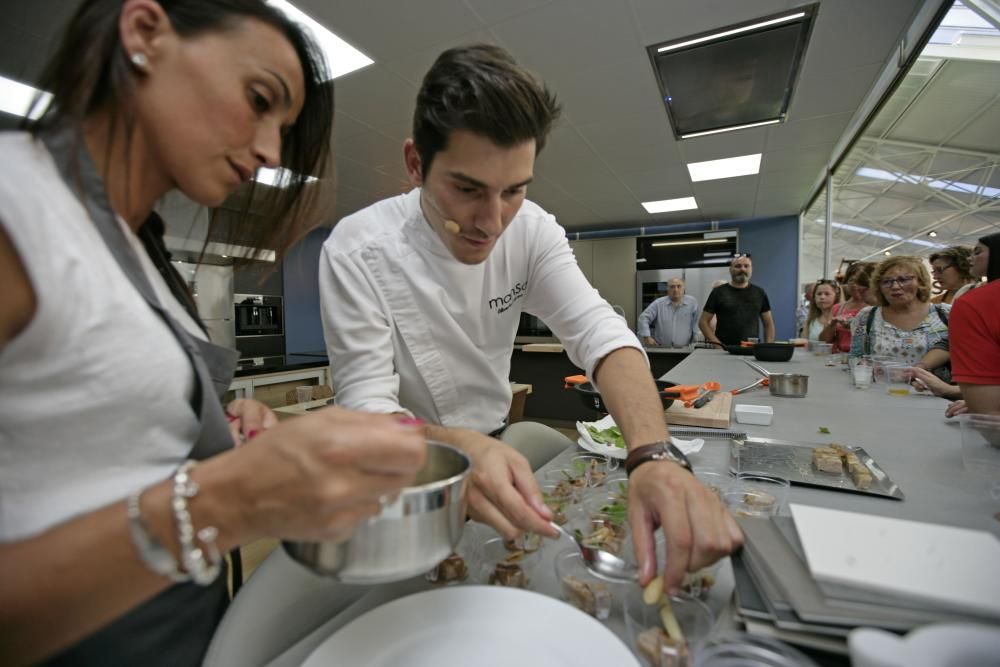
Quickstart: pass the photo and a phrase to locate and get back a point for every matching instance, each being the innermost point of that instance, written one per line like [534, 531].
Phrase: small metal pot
[409, 536]
[790, 385]
[787, 385]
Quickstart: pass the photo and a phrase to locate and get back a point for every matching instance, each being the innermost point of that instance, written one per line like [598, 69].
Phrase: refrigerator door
[212, 287]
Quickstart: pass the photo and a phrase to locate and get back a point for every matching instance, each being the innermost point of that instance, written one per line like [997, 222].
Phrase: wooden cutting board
[715, 414]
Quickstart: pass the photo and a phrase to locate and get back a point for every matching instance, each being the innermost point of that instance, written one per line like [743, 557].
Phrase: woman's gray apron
[174, 628]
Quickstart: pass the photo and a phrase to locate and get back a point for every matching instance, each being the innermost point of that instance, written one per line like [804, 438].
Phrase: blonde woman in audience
[904, 325]
[952, 271]
[825, 295]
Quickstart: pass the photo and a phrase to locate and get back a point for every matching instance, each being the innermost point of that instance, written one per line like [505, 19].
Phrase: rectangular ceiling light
[341, 57]
[662, 244]
[668, 205]
[728, 33]
[16, 98]
[730, 167]
[733, 77]
[730, 129]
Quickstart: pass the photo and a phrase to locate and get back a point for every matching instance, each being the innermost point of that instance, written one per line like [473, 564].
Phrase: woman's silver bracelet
[153, 554]
[202, 564]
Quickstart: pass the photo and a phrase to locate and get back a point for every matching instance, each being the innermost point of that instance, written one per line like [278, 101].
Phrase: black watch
[658, 451]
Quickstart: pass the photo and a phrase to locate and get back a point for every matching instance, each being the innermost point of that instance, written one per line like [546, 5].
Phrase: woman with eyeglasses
[952, 272]
[838, 329]
[825, 295]
[904, 325]
[975, 328]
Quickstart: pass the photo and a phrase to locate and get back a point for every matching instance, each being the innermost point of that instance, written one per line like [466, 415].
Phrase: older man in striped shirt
[675, 318]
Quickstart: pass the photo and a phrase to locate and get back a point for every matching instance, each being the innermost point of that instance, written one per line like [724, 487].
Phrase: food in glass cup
[715, 481]
[527, 542]
[582, 589]
[756, 494]
[567, 482]
[593, 467]
[502, 567]
[665, 630]
[606, 504]
[558, 499]
[451, 569]
[601, 532]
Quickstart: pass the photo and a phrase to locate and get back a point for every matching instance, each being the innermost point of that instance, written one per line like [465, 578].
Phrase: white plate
[484, 626]
[588, 443]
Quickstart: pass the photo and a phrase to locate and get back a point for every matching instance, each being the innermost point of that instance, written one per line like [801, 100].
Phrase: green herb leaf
[823, 429]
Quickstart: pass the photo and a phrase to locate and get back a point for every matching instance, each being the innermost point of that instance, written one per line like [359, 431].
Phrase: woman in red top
[838, 330]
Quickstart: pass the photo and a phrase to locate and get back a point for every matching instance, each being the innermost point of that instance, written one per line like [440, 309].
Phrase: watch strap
[663, 450]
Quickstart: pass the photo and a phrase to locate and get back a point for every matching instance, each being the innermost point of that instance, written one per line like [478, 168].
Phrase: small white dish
[754, 414]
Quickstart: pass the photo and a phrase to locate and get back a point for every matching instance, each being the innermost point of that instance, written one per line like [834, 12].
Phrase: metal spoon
[601, 563]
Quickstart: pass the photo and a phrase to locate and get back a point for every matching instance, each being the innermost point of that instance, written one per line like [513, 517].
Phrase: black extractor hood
[732, 77]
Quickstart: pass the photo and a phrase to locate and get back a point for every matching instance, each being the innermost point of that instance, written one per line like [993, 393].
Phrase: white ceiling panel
[614, 148]
[386, 30]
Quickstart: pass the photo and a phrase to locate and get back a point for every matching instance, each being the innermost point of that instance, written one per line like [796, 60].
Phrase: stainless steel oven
[258, 315]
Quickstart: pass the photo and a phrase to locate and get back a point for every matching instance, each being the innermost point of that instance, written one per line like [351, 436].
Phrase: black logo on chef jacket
[503, 303]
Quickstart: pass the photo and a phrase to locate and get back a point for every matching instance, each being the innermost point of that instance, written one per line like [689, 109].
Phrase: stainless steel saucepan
[410, 535]
[789, 385]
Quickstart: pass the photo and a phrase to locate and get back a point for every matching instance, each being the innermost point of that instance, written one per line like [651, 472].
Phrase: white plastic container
[754, 414]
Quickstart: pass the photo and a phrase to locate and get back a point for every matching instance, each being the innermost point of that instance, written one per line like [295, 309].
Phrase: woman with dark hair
[838, 329]
[951, 269]
[119, 484]
[986, 258]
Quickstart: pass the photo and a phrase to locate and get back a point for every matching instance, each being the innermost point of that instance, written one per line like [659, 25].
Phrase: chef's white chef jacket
[411, 329]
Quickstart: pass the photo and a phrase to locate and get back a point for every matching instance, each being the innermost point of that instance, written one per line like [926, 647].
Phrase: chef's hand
[502, 489]
[247, 418]
[698, 528]
[955, 409]
[316, 477]
[649, 341]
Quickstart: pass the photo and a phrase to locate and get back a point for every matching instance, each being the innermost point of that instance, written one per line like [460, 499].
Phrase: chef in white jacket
[422, 294]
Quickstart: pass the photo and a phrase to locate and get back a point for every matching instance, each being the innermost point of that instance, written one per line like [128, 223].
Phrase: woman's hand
[955, 409]
[923, 380]
[314, 477]
[247, 418]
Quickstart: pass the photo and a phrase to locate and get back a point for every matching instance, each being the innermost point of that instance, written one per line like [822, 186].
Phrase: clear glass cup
[897, 377]
[560, 499]
[757, 494]
[862, 374]
[500, 566]
[582, 589]
[822, 349]
[303, 394]
[737, 649]
[567, 482]
[646, 634]
[595, 468]
[696, 584]
[600, 531]
[981, 448]
[716, 481]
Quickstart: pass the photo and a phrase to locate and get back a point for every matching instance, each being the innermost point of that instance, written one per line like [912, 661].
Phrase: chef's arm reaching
[698, 528]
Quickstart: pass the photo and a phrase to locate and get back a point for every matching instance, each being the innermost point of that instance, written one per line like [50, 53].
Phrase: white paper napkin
[587, 442]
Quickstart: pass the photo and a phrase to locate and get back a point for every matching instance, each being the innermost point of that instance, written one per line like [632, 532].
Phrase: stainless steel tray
[793, 461]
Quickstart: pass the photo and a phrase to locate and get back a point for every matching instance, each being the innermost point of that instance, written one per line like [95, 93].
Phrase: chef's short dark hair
[482, 89]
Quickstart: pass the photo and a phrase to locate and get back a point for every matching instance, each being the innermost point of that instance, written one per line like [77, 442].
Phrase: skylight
[710, 170]
[937, 184]
[341, 57]
[880, 234]
[668, 205]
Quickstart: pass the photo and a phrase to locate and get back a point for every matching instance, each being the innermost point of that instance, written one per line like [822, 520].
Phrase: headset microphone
[450, 226]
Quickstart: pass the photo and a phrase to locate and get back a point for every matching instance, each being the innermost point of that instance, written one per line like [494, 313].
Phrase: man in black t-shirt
[737, 306]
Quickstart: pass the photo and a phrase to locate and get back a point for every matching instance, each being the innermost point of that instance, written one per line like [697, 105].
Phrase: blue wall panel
[774, 245]
[303, 327]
